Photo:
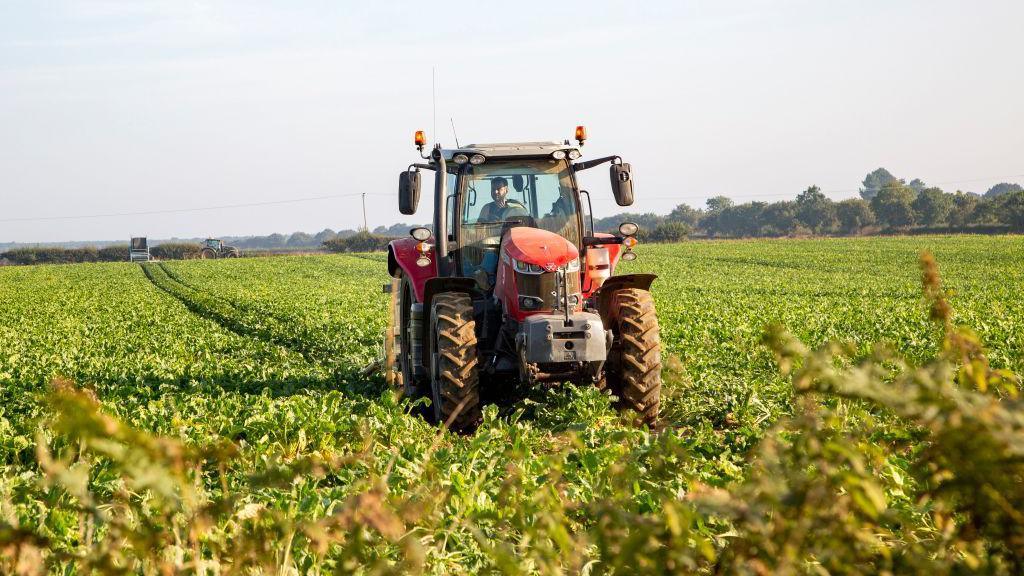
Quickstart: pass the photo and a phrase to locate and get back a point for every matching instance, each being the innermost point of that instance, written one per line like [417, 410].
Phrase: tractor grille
[543, 285]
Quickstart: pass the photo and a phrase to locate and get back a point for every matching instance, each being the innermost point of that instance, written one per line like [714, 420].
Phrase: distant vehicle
[139, 250]
[214, 248]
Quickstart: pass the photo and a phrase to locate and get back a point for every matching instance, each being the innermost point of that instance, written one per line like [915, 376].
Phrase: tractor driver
[502, 207]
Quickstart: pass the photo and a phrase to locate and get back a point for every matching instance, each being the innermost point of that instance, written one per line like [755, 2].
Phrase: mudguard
[402, 257]
[611, 285]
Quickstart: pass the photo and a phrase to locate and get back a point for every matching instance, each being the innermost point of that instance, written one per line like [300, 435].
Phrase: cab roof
[510, 149]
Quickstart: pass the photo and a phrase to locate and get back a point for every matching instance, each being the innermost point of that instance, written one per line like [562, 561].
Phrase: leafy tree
[668, 232]
[300, 239]
[646, 221]
[932, 206]
[741, 220]
[962, 212]
[275, 240]
[324, 235]
[779, 219]
[853, 215]
[1003, 188]
[685, 214]
[988, 211]
[816, 211]
[917, 185]
[719, 203]
[359, 242]
[893, 205]
[874, 182]
[712, 221]
[1013, 209]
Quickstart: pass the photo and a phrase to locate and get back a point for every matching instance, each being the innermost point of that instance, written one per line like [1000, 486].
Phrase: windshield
[499, 194]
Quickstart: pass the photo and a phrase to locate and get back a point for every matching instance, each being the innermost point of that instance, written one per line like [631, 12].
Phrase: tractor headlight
[525, 268]
[460, 158]
[574, 154]
[558, 154]
[476, 159]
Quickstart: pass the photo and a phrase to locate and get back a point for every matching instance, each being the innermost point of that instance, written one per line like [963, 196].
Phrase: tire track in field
[231, 317]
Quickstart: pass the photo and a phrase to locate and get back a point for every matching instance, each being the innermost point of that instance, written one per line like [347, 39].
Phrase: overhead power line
[185, 210]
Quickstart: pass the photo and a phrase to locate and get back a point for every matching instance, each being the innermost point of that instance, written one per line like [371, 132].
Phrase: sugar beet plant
[201, 435]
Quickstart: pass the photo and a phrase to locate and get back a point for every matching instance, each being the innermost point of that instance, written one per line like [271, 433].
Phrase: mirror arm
[423, 166]
[595, 162]
[601, 241]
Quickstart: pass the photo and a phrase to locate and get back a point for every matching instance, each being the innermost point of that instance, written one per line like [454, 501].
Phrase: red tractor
[514, 286]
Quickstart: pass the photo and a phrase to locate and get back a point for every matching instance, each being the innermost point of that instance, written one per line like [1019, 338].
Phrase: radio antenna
[433, 94]
[457, 145]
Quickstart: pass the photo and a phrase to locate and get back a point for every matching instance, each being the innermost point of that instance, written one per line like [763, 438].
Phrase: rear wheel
[454, 379]
[633, 369]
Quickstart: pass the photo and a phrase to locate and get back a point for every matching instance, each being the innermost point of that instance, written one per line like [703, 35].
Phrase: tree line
[886, 205]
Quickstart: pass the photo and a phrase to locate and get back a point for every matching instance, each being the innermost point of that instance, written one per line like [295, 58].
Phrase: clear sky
[111, 106]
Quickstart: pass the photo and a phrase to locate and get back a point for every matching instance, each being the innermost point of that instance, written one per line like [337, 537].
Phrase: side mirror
[622, 184]
[408, 191]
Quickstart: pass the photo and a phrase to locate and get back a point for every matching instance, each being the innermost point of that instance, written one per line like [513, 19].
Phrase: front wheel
[207, 254]
[454, 378]
[633, 369]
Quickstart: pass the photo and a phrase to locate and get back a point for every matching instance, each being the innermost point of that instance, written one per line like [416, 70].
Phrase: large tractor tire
[208, 254]
[454, 378]
[231, 254]
[633, 369]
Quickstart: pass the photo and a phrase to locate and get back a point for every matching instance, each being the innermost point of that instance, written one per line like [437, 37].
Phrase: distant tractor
[138, 251]
[514, 286]
[214, 248]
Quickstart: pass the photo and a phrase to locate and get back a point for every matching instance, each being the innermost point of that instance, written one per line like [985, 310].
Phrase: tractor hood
[539, 247]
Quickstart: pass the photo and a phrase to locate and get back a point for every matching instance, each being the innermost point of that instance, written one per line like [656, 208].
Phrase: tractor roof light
[420, 139]
[420, 233]
[581, 134]
[574, 154]
[477, 159]
[558, 154]
[460, 158]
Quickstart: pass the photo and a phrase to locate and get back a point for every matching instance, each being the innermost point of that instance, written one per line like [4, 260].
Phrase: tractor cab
[491, 199]
[214, 244]
[513, 253]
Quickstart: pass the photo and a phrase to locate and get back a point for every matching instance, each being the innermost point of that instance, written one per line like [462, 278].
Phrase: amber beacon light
[420, 139]
[581, 134]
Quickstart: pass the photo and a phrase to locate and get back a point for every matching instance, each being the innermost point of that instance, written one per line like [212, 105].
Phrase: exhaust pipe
[441, 212]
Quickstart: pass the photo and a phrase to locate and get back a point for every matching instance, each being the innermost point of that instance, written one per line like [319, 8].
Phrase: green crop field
[821, 413]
